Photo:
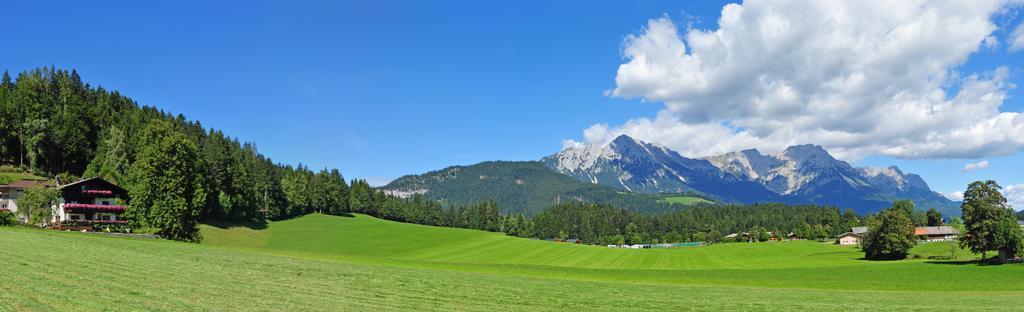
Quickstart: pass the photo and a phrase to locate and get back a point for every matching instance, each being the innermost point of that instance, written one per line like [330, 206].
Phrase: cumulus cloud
[955, 196]
[1015, 195]
[858, 77]
[976, 166]
[1017, 39]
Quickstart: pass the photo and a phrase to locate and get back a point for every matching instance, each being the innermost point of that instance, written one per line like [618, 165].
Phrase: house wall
[10, 198]
[59, 214]
[849, 240]
[939, 238]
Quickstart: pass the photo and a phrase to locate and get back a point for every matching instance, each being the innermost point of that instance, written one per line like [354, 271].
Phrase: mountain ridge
[799, 174]
[634, 175]
[517, 187]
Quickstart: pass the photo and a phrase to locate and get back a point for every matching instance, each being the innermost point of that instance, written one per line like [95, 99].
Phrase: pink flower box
[114, 208]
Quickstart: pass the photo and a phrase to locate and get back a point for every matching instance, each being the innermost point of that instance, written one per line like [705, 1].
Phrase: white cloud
[955, 196]
[991, 42]
[1015, 195]
[858, 77]
[1016, 39]
[976, 166]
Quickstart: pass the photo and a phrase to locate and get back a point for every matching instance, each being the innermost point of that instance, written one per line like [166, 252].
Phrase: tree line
[177, 172]
[604, 224]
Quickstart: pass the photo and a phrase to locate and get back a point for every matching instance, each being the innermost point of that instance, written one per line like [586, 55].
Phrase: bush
[7, 218]
[99, 226]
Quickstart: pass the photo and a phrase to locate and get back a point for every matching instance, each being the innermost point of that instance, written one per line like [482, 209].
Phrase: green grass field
[683, 200]
[323, 262]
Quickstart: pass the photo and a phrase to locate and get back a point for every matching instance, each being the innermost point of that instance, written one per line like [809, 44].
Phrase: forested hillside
[54, 124]
[178, 172]
[519, 187]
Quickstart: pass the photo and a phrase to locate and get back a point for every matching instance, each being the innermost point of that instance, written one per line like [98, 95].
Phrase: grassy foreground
[336, 263]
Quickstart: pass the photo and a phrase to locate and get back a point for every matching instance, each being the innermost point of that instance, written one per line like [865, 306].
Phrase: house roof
[849, 234]
[97, 179]
[859, 230]
[935, 230]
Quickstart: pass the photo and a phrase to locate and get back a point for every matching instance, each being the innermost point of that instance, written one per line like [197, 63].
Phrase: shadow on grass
[954, 262]
[260, 225]
[254, 225]
[986, 262]
[345, 214]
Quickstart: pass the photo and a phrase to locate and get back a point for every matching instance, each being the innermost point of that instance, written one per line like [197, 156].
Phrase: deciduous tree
[166, 188]
[890, 236]
[989, 221]
[36, 204]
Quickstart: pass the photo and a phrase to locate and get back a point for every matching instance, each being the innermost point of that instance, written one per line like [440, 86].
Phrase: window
[75, 217]
[104, 217]
[106, 202]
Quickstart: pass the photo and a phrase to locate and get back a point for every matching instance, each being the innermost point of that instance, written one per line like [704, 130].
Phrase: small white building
[9, 194]
[850, 238]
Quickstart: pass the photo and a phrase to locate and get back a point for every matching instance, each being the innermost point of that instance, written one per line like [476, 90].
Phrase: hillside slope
[517, 187]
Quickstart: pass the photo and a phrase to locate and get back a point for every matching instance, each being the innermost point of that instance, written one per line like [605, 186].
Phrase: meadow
[320, 262]
[683, 200]
[9, 177]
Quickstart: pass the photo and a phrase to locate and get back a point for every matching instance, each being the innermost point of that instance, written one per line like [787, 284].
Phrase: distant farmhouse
[81, 204]
[850, 238]
[936, 233]
[9, 194]
[854, 236]
[924, 233]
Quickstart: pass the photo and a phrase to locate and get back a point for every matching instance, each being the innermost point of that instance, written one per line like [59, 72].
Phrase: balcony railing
[89, 222]
[91, 207]
[98, 192]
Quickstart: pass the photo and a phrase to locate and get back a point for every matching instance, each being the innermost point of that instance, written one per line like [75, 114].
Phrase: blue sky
[381, 89]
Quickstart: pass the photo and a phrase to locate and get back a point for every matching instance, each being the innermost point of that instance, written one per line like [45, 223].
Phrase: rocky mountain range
[799, 174]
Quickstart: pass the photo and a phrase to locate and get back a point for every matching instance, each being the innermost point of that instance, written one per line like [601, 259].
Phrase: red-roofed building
[936, 233]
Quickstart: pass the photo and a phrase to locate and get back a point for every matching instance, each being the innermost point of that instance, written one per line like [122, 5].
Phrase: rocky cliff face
[799, 174]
